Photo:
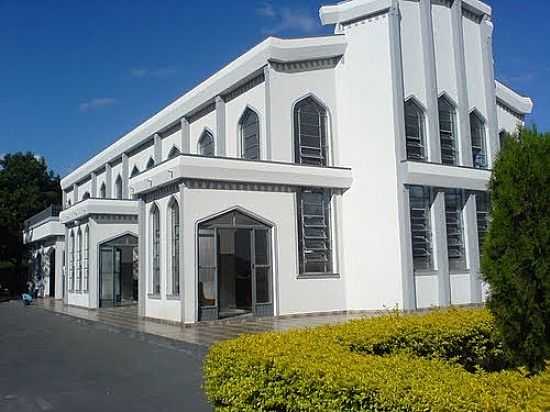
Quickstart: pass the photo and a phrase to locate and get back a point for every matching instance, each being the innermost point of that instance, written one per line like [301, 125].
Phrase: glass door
[208, 277]
[106, 263]
[261, 267]
[116, 276]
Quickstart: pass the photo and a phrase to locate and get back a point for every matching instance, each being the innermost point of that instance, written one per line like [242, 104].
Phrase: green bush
[392, 363]
[516, 252]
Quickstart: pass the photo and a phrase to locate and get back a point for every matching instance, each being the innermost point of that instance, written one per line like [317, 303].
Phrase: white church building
[336, 173]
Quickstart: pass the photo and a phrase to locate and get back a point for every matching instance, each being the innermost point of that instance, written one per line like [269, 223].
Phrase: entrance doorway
[235, 269]
[118, 273]
[52, 273]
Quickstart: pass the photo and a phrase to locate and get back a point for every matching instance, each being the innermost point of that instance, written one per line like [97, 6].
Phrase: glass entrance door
[106, 263]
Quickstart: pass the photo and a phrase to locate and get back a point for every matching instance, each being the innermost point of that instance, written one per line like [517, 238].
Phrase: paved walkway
[204, 334]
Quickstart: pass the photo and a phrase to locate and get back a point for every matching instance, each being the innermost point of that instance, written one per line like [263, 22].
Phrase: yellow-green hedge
[391, 363]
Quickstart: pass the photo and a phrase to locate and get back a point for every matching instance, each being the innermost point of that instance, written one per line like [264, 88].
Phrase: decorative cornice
[306, 65]
[161, 192]
[203, 111]
[249, 187]
[243, 88]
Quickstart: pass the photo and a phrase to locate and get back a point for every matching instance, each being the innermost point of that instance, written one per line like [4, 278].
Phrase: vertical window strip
[314, 224]
[156, 250]
[447, 132]
[454, 205]
[479, 145]
[79, 262]
[420, 200]
[414, 128]
[71, 264]
[310, 129]
[482, 214]
[175, 249]
[85, 274]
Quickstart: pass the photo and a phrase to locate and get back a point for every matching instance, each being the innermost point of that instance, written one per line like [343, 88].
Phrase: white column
[189, 294]
[430, 76]
[158, 148]
[440, 248]
[59, 248]
[125, 174]
[267, 152]
[185, 143]
[108, 181]
[472, 248]
[93, 193]
[465, 143]
[220, 126]
[182, 267]
[75, 193]
[142, 279]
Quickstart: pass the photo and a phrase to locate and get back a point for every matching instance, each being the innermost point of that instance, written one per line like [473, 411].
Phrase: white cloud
[285, 19]
[97, 103]
[159, 72]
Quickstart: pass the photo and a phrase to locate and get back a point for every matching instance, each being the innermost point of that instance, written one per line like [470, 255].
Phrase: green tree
[516, 251]
[26, 187]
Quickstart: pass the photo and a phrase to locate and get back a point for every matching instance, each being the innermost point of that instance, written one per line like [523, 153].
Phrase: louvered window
[482, 212]
[310, 123]
[420, 200]
[175, 222]
[454, 205]
[414, 128]
[447, 132]
[71, 263]
[479, 147]
[250, 135]
[206, 144]
[314, 231]
[78, 286]
[86, 257]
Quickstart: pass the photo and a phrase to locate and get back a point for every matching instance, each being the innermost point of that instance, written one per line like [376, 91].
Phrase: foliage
[26, 188]
[516, 252]
[392, 363]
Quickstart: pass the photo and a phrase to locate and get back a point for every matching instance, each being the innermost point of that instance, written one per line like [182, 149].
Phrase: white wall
[197, 127]
[507, 120]
[139, 159]
[170, 141]
[444, 51]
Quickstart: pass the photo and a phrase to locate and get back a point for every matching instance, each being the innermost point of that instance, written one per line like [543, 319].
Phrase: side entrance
[235, 267]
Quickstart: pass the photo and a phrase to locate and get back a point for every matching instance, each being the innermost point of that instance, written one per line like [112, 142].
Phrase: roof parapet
[520, 104]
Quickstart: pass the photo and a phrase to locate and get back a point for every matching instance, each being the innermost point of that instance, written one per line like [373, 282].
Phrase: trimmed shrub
[391, 363]
[516, 252]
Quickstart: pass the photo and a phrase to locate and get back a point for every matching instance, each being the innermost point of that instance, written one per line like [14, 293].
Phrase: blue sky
[76, 75]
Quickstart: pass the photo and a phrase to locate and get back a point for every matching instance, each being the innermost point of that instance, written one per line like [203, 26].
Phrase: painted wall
[507, 120]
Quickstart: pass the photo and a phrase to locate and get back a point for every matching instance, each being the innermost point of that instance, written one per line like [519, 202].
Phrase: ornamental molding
[306, 65]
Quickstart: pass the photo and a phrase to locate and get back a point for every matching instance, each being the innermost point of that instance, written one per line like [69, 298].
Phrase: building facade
[335, 173]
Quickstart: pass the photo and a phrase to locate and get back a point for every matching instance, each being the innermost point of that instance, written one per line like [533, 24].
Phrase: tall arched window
[479, 145]
[86, 257]
[174, 151]
[155, 246]
[250, 135]
[174, 247]
[135, 171]
[78, 282]
[150, 164]
[207, 147]
[310, 133]
[70, 285]
[447, 131]
[414, 128]
[103, 191]
[118, 187]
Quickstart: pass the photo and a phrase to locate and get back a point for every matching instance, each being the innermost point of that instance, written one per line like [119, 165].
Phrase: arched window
[250, 135]
[118, 187]
[155, 246]
[174, 211]
[479, 146]
[69, 202]
[70, 285]
[103, 191]
[174, 151]
[86, 260]
[86, 196]
[414, 128]
[447, 131]
[310, 133]
[150, 164]
[502, 137]
[79, 262]
[135, 171]
[207, 147]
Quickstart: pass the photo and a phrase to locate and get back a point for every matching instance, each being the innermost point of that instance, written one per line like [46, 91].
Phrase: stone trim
[208, 108]
[161, 192]
[216, 185]
[243, 88]
[306, 65]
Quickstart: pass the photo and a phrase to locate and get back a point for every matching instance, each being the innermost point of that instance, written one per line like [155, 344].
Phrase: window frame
[322, 126]
[461, 197]
[118, 187]
[451, 136]
[86, 262]
[482, 148]
[248, 114]
[201, 145]
[423, 212]
[175, 245]
[155, 250]
[420, 115]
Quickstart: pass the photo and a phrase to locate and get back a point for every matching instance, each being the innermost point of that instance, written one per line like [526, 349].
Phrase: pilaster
[182, 249]
[94, 185]
[472, 247]
[465, 140]
[158, 148]
[108, 181]
[440, 248]
[125, 174]
[190, 294]
[267, 153]
[185, 143]
[430, 77]
[220, 126]
[59, 248]
[75, 193]
[142, 279]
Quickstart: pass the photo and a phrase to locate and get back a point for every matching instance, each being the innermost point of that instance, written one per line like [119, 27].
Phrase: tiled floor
[204, 334]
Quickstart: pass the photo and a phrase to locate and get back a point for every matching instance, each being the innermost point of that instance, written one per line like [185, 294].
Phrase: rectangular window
[314, 231]
[79, 265]
[85, 262]
[156, 254]
[454, 206]
[482, 213]
[420, 200]
[71, 266]
[447, 132]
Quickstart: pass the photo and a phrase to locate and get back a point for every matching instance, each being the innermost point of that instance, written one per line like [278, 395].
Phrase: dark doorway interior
[52, 273]
[118, 271]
